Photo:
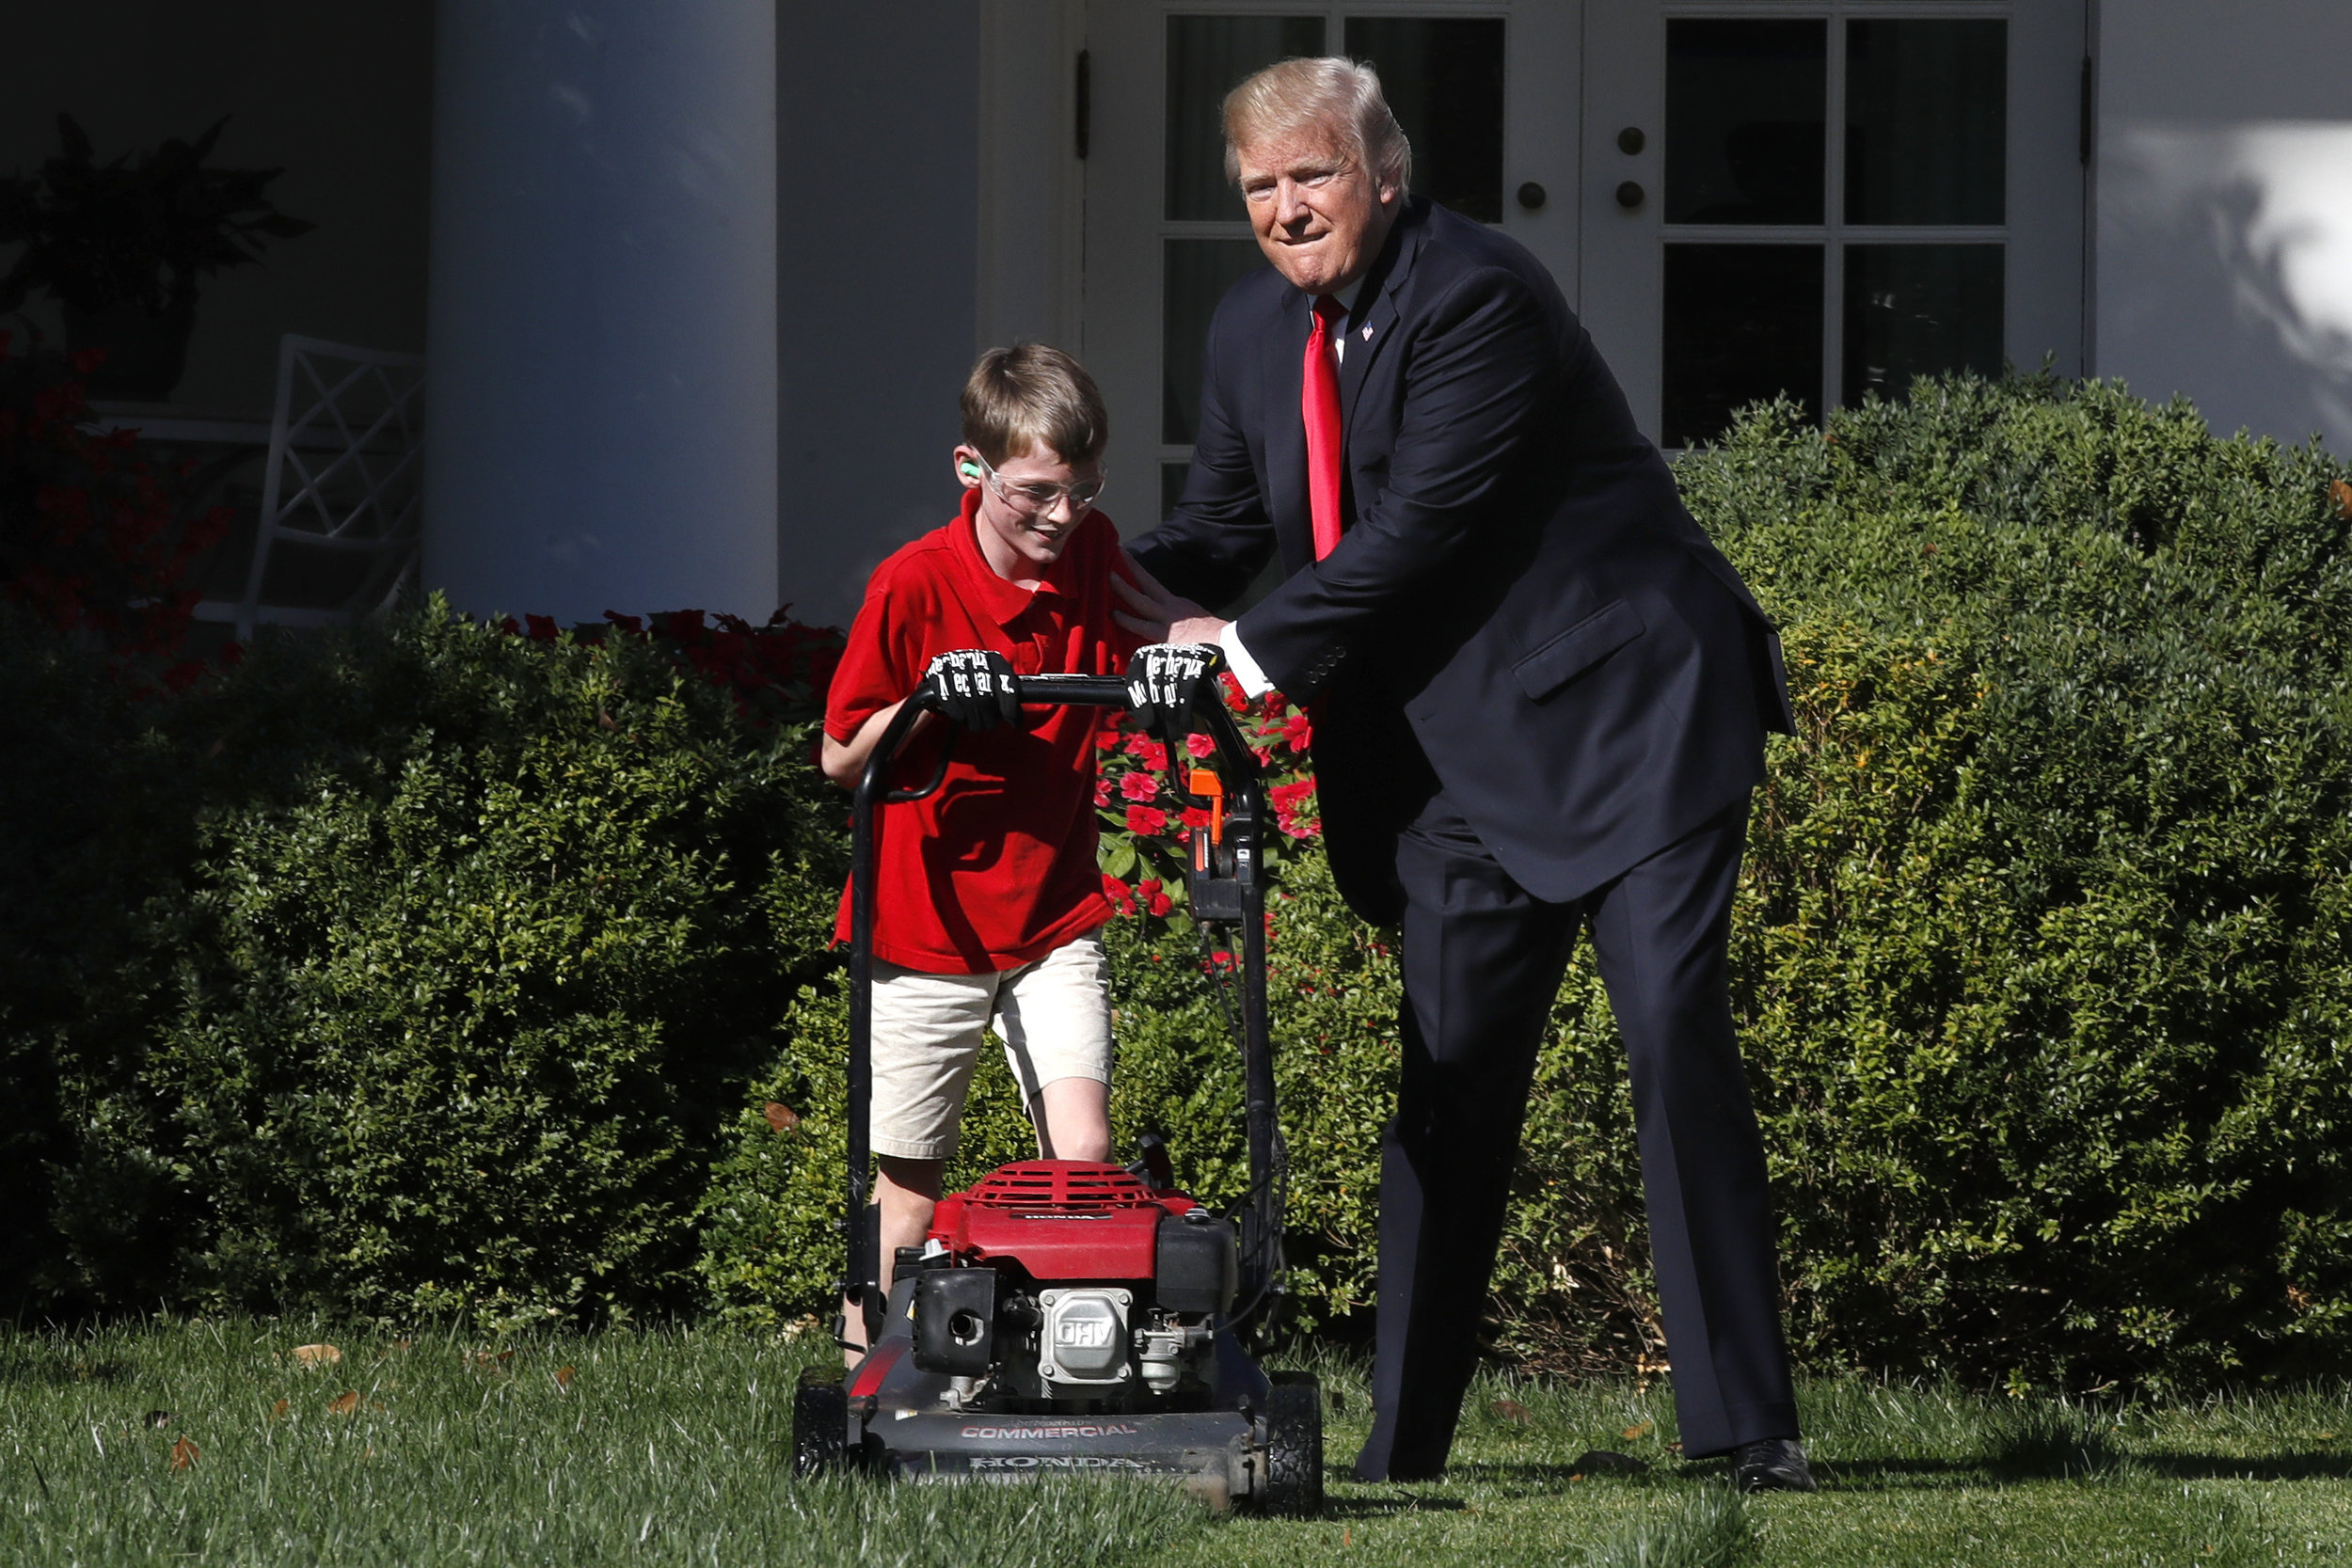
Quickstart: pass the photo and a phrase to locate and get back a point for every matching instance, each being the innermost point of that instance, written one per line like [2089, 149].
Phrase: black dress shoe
[1367, 1469]
[1772, 1465]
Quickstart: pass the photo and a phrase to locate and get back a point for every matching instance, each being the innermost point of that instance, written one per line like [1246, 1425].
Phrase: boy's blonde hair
[1034, 395]
[1326, 93]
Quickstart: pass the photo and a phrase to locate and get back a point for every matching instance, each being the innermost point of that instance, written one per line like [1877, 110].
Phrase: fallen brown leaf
[183, 1453]
[2342, 492]
[563, 1376]
[781, 1116]
[280, 1409]
[344, 1402]
[317, 1355]
[1511, 1410]
[1633, 1431]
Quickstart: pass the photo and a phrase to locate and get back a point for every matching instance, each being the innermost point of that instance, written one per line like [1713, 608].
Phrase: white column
[601, 333]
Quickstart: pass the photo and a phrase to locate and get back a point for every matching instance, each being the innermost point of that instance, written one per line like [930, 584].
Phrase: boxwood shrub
[460, 969]
[2040, 953]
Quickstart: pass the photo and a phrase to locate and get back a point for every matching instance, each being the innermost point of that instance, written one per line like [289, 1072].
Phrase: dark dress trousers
[1541, 698]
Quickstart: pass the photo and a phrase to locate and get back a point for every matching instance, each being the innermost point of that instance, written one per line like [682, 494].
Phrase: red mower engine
[1071, 1282]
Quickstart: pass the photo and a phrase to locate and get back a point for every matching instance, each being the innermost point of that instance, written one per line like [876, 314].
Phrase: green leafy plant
[140, 229]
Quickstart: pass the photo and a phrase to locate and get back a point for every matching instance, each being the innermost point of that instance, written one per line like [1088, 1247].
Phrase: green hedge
[453, 970]
[2040, 956]
[458, 949]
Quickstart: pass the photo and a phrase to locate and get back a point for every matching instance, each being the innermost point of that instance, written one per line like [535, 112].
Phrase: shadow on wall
[2226, 272]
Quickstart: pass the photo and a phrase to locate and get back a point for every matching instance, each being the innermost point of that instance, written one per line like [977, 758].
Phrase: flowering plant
[92, 536]
[1147, 828]
[777, 672]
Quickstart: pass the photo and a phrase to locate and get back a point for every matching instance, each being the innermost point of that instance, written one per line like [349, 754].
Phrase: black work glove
[1163, 680]
[976, 688]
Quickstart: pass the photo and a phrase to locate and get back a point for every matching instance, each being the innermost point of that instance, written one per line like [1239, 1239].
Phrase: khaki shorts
[1053, 1016]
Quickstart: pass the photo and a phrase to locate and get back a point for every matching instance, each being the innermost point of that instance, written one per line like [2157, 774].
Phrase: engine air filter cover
[1084, 1338]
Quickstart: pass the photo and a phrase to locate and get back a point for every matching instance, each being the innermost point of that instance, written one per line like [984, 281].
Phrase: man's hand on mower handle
[1164, 678]
[974, 687]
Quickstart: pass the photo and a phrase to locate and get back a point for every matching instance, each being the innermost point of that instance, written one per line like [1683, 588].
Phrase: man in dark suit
[1541, 699]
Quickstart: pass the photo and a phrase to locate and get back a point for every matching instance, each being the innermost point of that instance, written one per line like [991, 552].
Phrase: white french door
[1485, 88]
[1827, 198]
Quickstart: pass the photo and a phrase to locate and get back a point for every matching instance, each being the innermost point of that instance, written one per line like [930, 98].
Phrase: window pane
[1927, 120]
[1744, 323]
[1207, 57]
[1443, 78]
[1914, 308]
[1744, 117]
[1198, 273]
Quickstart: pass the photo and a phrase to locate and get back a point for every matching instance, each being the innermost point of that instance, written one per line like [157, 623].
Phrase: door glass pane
[1208, 56]
[1743, 322]
[1915, 308]
[1926, 118]
[1744, 119]
[1198, 273]
[1443, 78]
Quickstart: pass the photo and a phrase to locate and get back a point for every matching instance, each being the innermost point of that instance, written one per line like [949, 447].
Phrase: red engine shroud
[1060, 1219]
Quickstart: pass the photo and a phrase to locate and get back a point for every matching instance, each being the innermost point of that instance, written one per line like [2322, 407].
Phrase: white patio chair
[336, 538]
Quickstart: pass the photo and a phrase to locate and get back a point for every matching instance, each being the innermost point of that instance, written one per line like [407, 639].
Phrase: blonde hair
[1034, 395]
[1328, 93]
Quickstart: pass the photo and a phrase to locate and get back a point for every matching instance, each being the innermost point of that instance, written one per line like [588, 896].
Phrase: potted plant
[121, 246]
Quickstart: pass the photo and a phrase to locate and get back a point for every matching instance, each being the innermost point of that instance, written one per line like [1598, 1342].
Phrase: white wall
[2224, 196]
[337, 94]
[877, 131]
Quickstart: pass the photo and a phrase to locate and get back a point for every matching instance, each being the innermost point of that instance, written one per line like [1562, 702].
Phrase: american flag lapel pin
[1367, 331]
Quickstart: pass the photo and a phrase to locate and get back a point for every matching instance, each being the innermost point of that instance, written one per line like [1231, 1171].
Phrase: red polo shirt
[997, 869]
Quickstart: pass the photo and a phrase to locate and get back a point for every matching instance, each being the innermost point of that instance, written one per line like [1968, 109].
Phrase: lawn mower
[1065, 1317]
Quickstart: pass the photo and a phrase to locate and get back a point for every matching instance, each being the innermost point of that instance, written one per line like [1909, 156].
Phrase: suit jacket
[1519, 609]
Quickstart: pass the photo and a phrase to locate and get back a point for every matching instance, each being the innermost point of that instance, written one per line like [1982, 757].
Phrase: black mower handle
[1244, 825]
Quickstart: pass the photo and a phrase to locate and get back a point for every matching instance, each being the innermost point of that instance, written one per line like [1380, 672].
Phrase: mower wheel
[820, 1422]
[1294, 1445]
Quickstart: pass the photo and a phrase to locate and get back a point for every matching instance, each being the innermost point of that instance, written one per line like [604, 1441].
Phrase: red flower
[1107, 737]
[1233, 698]
[1200, 746]
[1195, 817]
[1138, 787]
[1148, 893]
[1121, 896]
[1299, 731]
[1150, 821]
[1101, 792]
[626, 622]
[1293, 803]
[1149, 751]
[88, 359]
[542, 628]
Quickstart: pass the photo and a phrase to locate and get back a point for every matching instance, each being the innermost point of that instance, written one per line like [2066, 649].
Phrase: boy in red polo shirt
[988, 904]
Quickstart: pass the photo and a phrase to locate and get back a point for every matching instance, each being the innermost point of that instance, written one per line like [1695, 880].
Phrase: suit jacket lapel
[1369, 334]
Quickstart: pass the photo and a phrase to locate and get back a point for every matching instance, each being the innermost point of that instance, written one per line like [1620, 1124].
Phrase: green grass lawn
[209, 1443]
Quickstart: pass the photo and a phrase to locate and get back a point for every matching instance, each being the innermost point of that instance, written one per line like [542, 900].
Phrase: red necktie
[1319, 406]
